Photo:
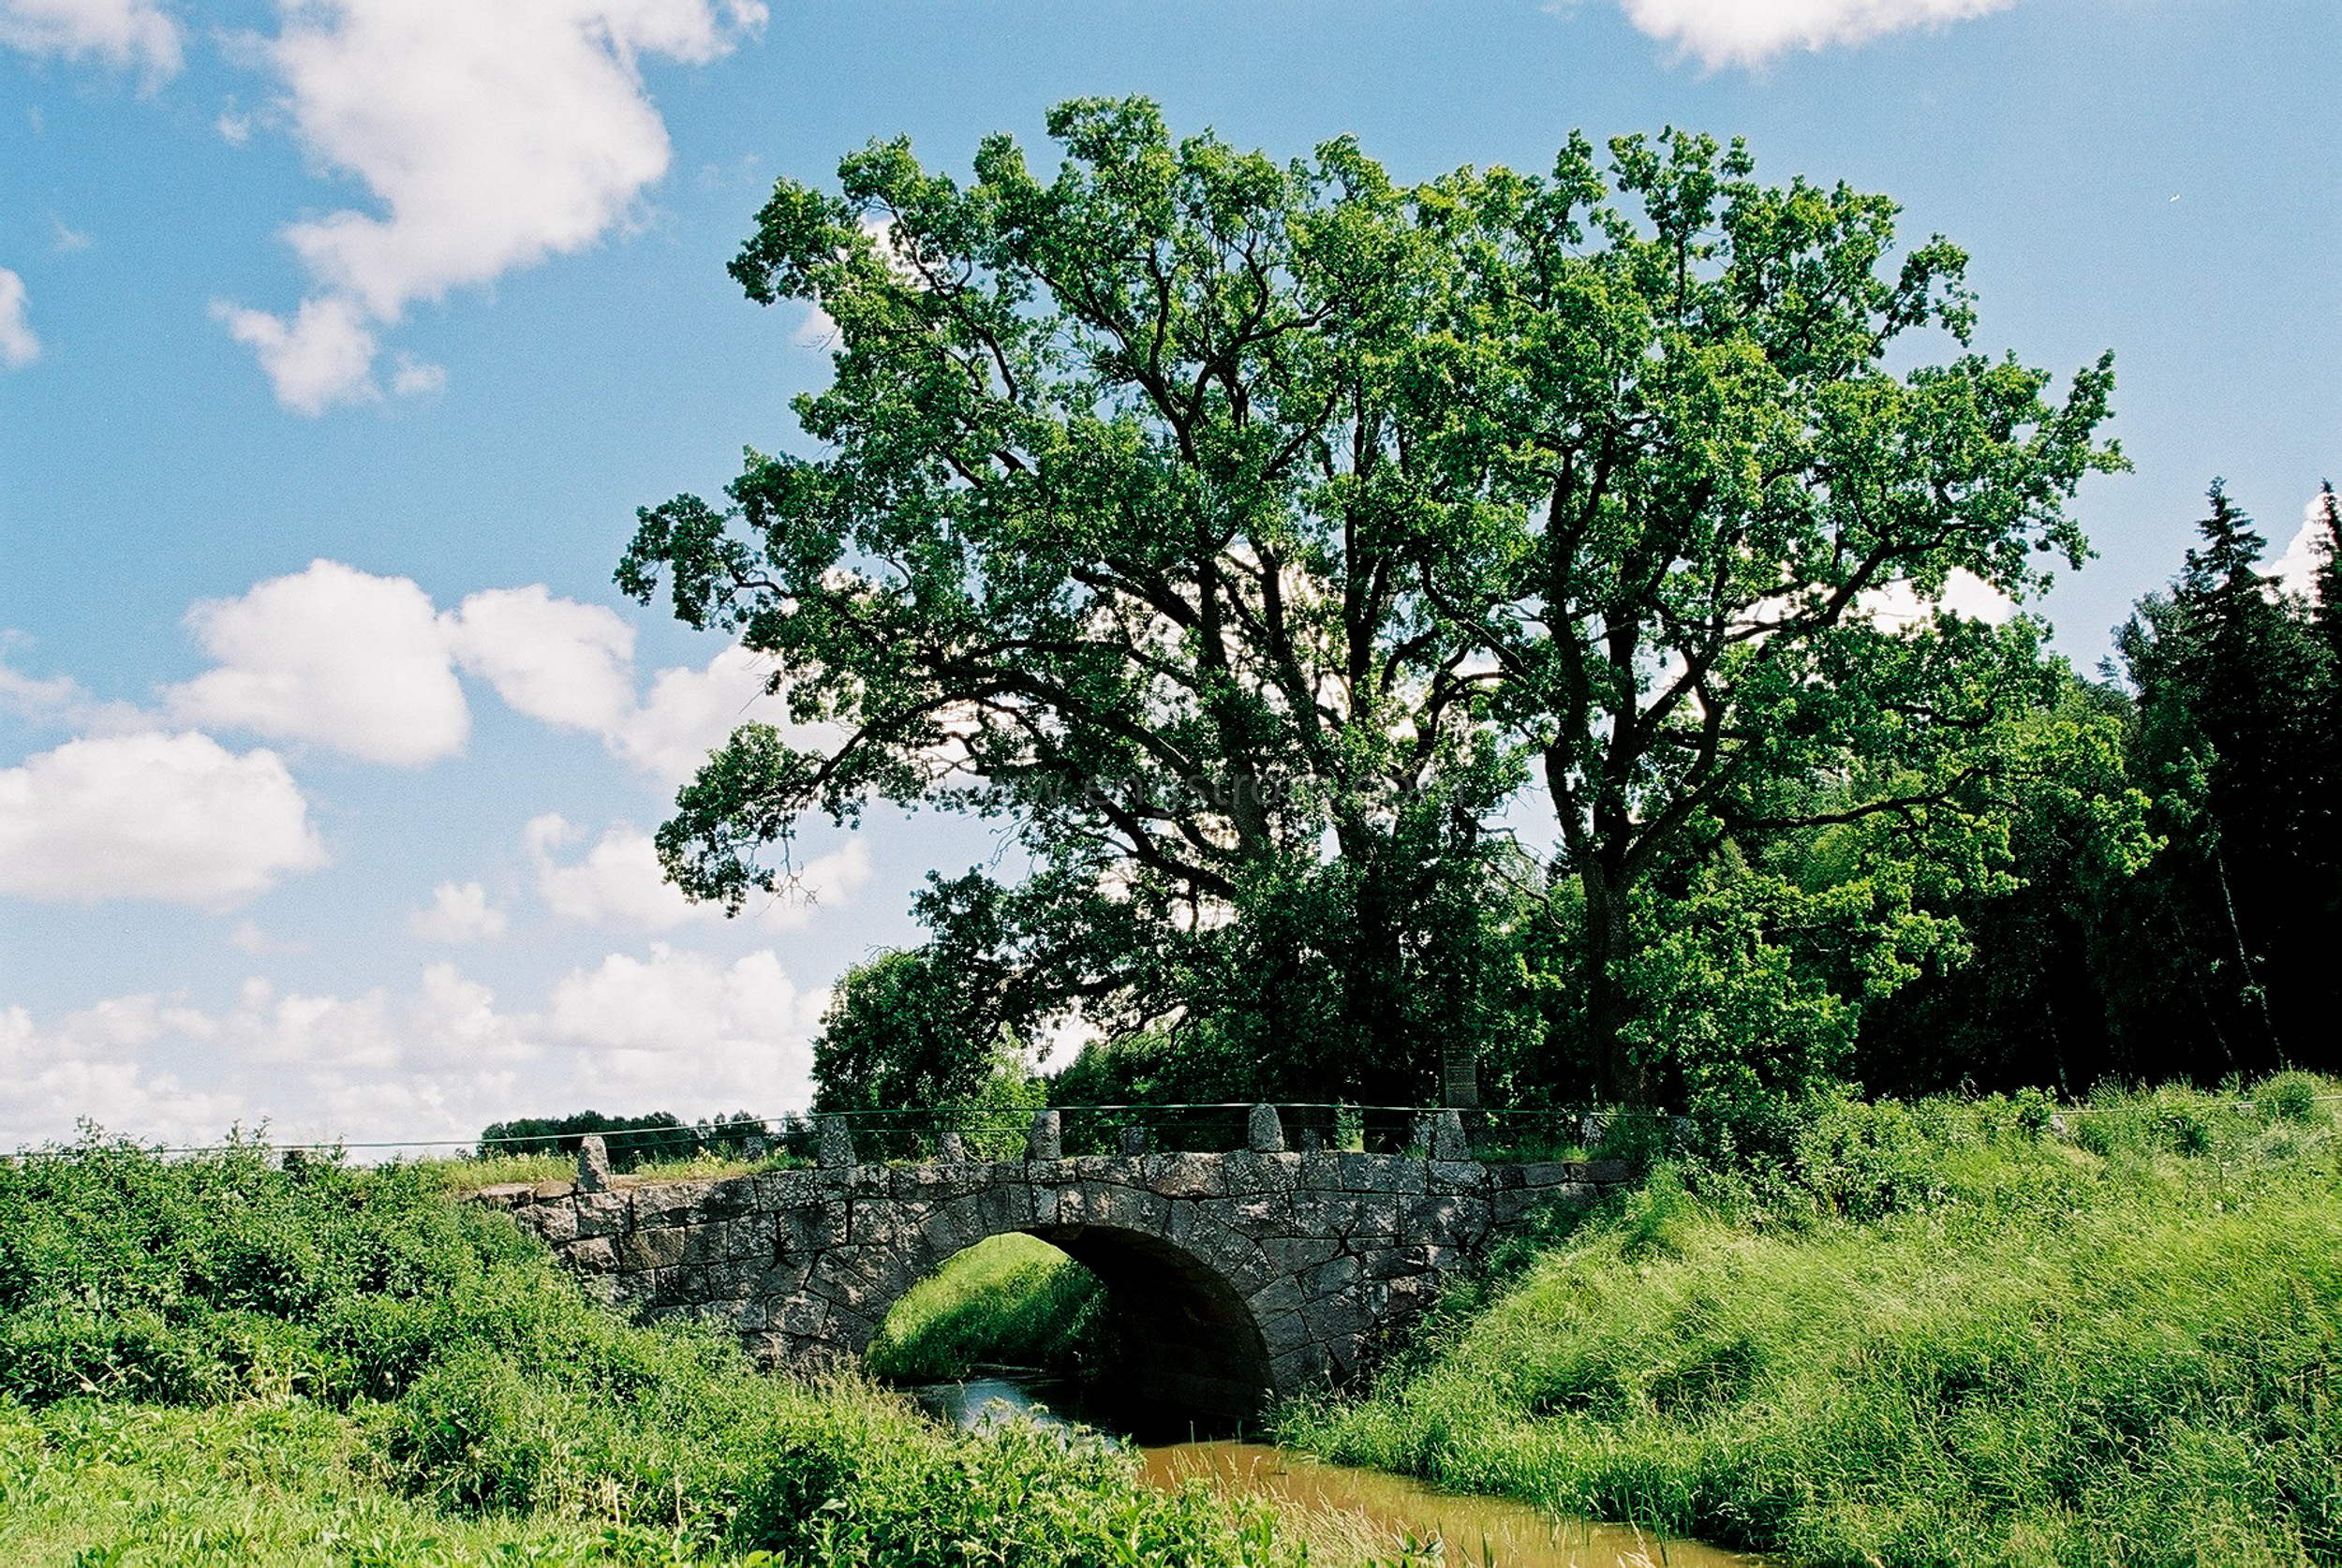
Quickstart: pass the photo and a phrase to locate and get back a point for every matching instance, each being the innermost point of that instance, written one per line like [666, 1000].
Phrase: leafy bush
[456, 1366]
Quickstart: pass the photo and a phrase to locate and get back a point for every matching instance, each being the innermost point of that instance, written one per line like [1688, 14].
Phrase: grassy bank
[219, 1361]
[1010, 1300]
[1948, 1333]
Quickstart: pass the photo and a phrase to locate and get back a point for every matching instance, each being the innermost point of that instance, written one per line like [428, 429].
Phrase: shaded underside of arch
[1186, 1342]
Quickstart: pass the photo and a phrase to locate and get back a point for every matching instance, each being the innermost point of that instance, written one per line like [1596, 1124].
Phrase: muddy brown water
[1366, 1506]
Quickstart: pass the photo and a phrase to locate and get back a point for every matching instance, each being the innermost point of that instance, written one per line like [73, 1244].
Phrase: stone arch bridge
[1234, 1277]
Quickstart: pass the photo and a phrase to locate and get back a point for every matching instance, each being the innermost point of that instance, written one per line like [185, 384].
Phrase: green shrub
[423, 1351]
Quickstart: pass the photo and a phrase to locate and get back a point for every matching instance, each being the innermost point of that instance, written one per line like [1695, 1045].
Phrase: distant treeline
[657, 1137]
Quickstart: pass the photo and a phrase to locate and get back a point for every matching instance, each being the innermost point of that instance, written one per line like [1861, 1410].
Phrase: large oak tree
[1249, 533]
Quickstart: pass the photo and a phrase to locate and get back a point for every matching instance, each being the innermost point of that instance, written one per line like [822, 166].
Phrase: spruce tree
[2216, 967]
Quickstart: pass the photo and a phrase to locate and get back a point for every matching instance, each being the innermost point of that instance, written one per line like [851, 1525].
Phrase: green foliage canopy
[1253, 533]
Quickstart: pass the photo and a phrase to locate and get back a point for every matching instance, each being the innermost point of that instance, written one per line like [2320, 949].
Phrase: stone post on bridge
[1264, 1131]
[834, 1150]
[1047, 1139]
[593, 1164]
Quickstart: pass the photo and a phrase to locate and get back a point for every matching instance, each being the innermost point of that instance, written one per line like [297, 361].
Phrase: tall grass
[1940, 1333]
[1010, 1300]
[348, 1349]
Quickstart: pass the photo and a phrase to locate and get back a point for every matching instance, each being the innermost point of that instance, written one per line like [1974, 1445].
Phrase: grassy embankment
[1922, 1334]
[217, 1362]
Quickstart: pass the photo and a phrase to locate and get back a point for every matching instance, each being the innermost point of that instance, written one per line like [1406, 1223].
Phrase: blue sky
[340, 338]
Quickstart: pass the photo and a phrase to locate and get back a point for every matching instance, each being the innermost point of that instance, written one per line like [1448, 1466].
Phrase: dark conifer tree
[2213, 963]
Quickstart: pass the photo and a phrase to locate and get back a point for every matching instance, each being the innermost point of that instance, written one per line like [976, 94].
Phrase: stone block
[1605, 1172]
[593, 1164]
[777, 1189]
[949, 1227]
[1456, 1175]
[1382, 1172]
[593, 1255]
[1284, 1332]
[1248, 1172]
[1046, 1141]
[1124, 1170]
[802, 1316]
[660, 1247]
[545, 1191]
[1300, 1367]
[1334, 1276]
[1337, 1317]
[1332, 1216]
[667, 1202]
[1262, 1214]
[808, 1230]
[1282, 1295]
[739, 1197]
[601, 1213]
[1429, 1217]
[553, 1223]
[1114, 1207]
[1293, 1253]
[1186, 1176]
[832, 1143]
[1322, 1170]
[1005, 1206]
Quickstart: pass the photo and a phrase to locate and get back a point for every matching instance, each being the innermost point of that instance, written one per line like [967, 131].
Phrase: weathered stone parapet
[593, 1164]
[1239, 1275]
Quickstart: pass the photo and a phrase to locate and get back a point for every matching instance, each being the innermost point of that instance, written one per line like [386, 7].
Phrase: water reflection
[979, 1404]
[1339, 1510]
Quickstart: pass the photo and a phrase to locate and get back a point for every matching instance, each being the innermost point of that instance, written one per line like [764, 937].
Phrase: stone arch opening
[1187, 1345]
[1182, 1349]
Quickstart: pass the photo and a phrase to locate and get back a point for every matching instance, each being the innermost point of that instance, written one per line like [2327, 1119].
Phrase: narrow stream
[1323, 1499]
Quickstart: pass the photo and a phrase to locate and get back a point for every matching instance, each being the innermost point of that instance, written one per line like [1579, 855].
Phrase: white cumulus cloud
[617, 883]
[1749, 31]
[490, 137]
[563, 663]
[620, 883]
[690, 712]
[334, 656]
[18, 345]
[458, 914]
[673, 1029]
[119, 32]
[177, 819]
[368, 666]
[644, 1028]
[319, 358]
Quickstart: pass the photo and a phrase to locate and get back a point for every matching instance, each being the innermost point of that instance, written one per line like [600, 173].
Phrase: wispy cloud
[19, 346]
[121, 33]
